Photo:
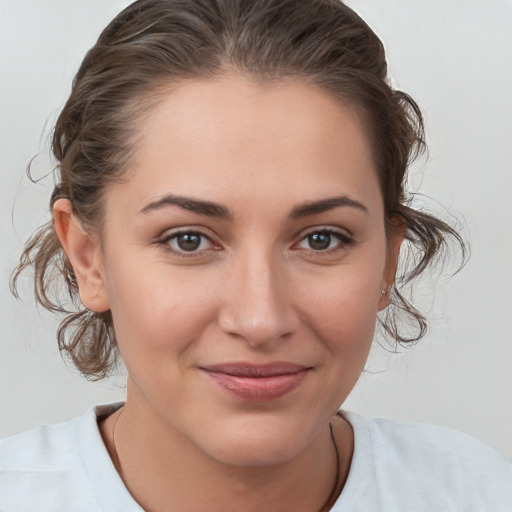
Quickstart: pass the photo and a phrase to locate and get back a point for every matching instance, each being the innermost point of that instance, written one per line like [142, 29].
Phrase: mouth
[257, 382]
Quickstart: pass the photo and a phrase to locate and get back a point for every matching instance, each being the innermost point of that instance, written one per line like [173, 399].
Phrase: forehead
[212, 138]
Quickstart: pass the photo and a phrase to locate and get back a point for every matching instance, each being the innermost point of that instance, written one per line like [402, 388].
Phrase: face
[243, 260]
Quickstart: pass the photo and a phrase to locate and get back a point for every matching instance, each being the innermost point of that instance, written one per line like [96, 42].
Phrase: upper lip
[251, 370]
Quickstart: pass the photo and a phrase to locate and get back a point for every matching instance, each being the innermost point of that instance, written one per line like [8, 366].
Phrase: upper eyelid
[344, 233]
[164, 242]
[172, 232]
[169, 235]
[343, 240]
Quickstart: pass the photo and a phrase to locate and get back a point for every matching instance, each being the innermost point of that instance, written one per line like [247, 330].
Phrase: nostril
[255, 331]
[258, 323]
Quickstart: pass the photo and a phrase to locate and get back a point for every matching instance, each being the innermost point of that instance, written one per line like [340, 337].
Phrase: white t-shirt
[396, 467]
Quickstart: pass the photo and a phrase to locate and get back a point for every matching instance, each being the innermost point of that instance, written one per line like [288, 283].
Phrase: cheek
[342, 312]
[157, 313]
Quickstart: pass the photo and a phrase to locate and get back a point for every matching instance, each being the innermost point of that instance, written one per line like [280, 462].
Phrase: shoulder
[52, 447]
[42, 448]
[51, 464]
[421, 439]
[437, 467]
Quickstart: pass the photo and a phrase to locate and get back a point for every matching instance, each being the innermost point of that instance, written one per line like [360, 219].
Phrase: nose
[257, 302]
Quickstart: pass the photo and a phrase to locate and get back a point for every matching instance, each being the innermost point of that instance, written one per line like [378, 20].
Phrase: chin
[256, 444]
[256, 455]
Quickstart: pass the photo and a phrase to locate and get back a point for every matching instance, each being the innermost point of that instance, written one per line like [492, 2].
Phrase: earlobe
[84, 253]
[397, 236]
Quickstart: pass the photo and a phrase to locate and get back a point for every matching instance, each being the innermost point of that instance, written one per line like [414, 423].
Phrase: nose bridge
[258, 306]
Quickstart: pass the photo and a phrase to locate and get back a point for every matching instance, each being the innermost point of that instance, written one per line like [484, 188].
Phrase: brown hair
[157, 42]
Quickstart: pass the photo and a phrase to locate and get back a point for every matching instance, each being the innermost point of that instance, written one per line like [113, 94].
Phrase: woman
[228, 219]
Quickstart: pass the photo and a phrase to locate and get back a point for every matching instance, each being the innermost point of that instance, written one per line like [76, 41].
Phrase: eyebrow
[323, 205]
[187, 203]
[212, 209]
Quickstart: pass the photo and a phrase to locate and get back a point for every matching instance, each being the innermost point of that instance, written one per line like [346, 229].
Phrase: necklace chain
[116, 455]
[325, 507]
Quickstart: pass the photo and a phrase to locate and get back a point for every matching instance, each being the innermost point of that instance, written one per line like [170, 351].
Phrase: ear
[395, 238]
[84, 253]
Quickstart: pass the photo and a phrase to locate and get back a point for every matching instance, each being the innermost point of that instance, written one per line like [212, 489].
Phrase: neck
[163, 470]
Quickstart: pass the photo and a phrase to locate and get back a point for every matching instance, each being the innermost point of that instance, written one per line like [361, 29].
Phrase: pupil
[319, 241]
[189, 241]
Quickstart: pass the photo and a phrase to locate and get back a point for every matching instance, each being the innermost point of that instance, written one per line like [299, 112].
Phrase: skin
[256, 290]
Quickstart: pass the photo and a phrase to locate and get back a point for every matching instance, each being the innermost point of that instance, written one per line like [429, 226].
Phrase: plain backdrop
[454, 57]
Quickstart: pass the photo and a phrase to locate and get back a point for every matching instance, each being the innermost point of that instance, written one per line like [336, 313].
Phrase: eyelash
[165, 244]
[344, 241]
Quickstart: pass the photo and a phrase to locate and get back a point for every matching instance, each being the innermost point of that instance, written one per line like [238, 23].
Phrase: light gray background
[454, 57]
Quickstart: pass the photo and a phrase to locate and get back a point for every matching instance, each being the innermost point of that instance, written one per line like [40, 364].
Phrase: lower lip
[260, 389]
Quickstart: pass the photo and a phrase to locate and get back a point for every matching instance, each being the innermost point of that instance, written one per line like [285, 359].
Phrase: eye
[324, 240]
[188, 242]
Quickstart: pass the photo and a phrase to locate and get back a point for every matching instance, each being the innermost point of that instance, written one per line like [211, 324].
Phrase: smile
[257, 382]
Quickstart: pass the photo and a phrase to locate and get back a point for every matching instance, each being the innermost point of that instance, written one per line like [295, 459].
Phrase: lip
[257, 382]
